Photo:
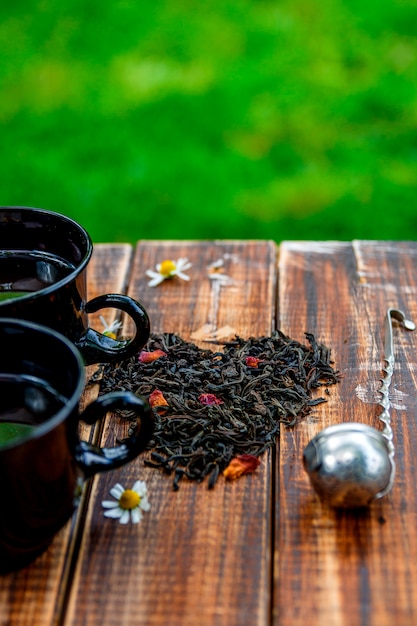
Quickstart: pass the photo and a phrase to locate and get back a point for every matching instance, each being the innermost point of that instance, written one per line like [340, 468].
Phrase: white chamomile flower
[168, 269]
[110, 329]
[129, 503]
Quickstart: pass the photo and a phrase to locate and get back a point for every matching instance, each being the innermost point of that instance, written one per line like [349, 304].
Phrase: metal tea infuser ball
[352, 464]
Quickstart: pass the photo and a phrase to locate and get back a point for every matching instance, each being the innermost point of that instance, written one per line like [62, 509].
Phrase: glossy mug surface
[43, 278]
[43, 462]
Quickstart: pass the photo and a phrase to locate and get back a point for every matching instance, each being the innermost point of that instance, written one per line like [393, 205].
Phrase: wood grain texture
[199, 556]
[334, 568]
[204, 557]
[34, 594]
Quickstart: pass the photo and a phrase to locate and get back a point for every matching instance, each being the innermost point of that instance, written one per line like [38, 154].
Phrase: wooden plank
[336, 568]
[33, 595]
[199, 556]
[108, 272]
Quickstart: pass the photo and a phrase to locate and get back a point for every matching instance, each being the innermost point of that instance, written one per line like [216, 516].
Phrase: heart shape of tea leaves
[211, 406]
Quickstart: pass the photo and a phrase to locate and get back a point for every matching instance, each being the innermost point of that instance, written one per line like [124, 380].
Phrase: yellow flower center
[129, 499]
[167, 267]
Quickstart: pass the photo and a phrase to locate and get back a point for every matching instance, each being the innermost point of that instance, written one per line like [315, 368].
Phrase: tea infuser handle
[385, 385]
[93, 459]
[99, 348]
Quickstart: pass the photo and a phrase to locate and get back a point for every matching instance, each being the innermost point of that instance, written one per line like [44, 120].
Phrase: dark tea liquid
[25, 403]
[23, 272]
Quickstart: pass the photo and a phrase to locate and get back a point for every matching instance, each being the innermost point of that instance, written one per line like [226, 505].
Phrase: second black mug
[43, 462]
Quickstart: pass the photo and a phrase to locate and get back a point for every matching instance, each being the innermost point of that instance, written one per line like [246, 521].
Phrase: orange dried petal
[149, 357]
[241, 464]
[156, 398]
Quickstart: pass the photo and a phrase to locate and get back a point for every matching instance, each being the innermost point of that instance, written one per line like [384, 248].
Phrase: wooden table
[260, 550]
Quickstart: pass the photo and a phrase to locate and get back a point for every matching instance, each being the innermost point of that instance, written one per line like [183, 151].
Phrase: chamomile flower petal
[183, 264]
[145, 504]
[109, 504]
[125, 517]
[183, 276]
[115, 513]
[140, 487]
[117, 490]
[157, 278]
[136, 516]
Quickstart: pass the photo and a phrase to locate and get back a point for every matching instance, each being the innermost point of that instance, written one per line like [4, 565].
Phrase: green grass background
[288, 119]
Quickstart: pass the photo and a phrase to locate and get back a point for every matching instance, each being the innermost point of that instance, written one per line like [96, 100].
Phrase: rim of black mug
[67, 279]
[72, 402]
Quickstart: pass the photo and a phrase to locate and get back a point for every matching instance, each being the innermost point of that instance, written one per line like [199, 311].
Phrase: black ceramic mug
[43, 463]
[43, 263]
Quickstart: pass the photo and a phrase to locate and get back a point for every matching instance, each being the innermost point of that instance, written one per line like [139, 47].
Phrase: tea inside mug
[23, 272]
[27, 402]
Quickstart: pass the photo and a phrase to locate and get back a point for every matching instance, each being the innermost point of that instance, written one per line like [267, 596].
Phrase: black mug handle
[93, 459]
[99, 348]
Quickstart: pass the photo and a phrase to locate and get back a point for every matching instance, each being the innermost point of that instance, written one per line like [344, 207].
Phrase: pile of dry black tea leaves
[211, 407]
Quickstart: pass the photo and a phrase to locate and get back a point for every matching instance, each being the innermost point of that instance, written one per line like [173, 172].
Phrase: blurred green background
[293, 119]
